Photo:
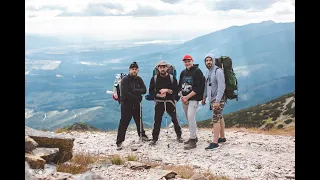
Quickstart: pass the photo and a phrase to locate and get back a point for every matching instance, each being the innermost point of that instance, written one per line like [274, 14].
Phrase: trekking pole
[167, 127]
[140, 123]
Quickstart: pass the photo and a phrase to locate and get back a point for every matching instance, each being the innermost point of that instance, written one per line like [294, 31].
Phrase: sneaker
[212, 146]
[119, 146]
[153, 142]
[187, 142]
[180, 140]
[192, 144]
[221, 140]
[145, 138]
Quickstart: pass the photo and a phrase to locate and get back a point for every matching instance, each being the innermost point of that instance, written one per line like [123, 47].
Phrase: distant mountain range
[263, 57]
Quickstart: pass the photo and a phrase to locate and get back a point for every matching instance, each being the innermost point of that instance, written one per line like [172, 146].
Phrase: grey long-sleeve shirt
[216, 78]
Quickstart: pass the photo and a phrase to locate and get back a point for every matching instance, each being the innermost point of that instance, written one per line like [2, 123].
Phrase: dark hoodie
[132, 88]
[190, 80]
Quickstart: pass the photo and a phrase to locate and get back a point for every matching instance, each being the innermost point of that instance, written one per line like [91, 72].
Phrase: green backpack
[225, 63]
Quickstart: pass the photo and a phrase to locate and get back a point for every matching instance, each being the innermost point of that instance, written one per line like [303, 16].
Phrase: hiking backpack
[117, 85]
[172, 73]
[225, 63]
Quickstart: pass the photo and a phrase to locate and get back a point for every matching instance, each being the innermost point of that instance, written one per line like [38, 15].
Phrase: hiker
[131, 89]
[164, 92]
[191, 87]
[214, 91]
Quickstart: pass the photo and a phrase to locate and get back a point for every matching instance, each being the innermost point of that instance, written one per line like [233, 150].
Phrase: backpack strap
[215, 72]
[171, 78]
[155, 79]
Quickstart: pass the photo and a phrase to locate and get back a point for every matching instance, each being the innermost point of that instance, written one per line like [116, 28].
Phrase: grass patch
[288, 121]
[132, 157]
[78, 164]
[182, 170]
[186, 172]
[117, 159]
[289, 131]
[78, 126]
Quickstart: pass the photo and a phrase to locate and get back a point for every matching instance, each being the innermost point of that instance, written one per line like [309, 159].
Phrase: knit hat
[133, 65]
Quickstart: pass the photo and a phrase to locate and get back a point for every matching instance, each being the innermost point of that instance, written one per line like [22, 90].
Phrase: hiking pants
[190, 111]
[129, 110]
[158, 114]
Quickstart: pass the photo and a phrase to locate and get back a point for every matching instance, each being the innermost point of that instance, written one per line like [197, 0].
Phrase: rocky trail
[244, 156]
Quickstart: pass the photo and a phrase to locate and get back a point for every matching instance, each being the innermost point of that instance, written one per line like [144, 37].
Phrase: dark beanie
[133, 65]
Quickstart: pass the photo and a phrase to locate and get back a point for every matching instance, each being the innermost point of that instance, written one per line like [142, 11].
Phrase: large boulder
[52, 140]
[48, 154]
[30, 144]
[35, 162]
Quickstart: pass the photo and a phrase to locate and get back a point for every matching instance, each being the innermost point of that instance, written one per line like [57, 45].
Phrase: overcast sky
[155, 19]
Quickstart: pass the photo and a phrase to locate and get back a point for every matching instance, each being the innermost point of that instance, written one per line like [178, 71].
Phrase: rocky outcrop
[30, 144]
[158, 174]
[35, 162]
[48, 154]
[52, 140]
[136, 165]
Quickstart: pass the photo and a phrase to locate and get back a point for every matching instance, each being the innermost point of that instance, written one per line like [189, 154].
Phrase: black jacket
[163, 83]
[131, 89]
[190, 80]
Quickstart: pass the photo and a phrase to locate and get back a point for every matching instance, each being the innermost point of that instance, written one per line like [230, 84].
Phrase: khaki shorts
[217, 113]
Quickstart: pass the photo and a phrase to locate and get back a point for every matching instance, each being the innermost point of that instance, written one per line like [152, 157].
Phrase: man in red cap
[191, 87]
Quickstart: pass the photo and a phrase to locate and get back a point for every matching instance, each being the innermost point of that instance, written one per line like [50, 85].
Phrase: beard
[133, 74]
[163, 73]
[209, 66]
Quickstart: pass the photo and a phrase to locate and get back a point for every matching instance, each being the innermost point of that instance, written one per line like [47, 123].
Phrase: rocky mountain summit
[93, 155]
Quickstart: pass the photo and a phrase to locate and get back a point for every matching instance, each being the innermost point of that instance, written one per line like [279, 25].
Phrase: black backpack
[225, 63]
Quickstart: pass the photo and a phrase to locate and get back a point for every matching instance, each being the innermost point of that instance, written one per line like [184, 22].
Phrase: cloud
[284, 11]
[117, 9]
[147, 19]
[146, 10]
[46, 7]
[171, 1]
[97, 9]
[226, 5]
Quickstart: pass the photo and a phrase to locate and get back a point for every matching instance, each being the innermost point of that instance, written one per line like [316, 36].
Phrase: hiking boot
[212, 146]
[145, 138]
[180, 140]
[192, 144]
[153, 142]
[187, 142]
[221, 140]
[119, 146]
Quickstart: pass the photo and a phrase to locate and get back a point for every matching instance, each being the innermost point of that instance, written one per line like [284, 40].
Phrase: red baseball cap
[187, 56]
